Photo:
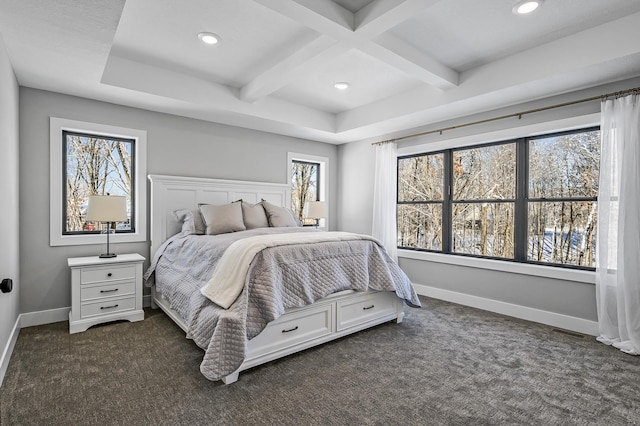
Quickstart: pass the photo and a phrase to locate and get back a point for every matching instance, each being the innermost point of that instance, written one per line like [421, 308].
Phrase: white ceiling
[410, 62]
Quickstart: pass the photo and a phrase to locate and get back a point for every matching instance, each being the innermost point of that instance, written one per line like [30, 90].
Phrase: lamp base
[107, 255]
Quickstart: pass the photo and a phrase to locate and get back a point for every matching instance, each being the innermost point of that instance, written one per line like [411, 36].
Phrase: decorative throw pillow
[254, 216]
[222, 219]
[192, 223]
[278, 216]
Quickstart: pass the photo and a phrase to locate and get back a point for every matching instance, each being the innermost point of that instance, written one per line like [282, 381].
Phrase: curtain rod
[515, 114]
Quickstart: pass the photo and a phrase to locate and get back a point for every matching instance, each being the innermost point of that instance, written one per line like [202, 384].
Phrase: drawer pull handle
[108, 307]
[108, 291]
[366, 308]
[109, 274]
[290, 330]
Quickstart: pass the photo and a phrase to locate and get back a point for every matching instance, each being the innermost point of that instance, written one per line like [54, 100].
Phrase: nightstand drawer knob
[108, 307]
[109, 274]
[109, 291]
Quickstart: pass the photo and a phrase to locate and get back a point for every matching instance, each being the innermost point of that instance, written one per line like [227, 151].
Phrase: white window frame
[324, 180]
[56, 127]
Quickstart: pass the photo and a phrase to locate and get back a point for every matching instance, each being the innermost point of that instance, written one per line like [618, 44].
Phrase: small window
[90, 158]
[420, 201]
[96, 165]
[309, 179]
[305, 181]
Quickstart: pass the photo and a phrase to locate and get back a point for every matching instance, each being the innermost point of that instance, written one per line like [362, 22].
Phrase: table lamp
[107, 208]
[316, 210]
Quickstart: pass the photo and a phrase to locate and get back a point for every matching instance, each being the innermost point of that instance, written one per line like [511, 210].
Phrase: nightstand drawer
[121, 288]
[107, 307]
[108, 273]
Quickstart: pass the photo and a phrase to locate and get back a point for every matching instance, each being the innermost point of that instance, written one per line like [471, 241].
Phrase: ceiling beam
[380, 16]
[335, 22]
[299, 63]
[412, 61]
[325, 17]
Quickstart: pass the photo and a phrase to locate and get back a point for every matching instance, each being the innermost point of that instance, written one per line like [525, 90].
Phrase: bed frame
[340, 314]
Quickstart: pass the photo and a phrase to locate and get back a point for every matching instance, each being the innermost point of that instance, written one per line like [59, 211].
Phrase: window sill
[588, 277]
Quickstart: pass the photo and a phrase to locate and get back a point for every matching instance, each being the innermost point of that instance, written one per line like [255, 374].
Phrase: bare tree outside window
[95, 165]
[484, 192]
[420, 200]
[305, 187]
[563, 190]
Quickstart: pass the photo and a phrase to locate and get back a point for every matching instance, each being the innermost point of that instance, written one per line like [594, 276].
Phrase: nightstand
[104, 290]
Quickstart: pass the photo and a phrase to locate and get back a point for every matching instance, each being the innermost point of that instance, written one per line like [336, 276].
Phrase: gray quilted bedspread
[279, 278]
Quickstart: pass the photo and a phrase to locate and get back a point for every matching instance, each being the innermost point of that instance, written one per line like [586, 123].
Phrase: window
[530, 200]
[304, 188]
[420, 201]
[563, 190]
[309, 182]
[87, 159]
[483, 200]
[95, 165]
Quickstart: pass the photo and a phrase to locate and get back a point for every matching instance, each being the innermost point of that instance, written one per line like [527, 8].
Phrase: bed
[350, 283]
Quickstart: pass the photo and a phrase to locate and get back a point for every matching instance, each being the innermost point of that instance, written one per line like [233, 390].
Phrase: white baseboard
[8, 350]
[30, 319]
[553, 319]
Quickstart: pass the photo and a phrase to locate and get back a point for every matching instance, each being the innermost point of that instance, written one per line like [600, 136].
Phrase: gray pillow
[278, 216]
[192, 223]
[222, 219]
[254, 216]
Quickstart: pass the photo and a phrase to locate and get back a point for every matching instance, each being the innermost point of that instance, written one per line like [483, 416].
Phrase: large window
[96, 165]
[529, 200]
[95, 159]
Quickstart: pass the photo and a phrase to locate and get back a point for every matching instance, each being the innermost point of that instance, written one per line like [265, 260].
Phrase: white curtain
[384, 197]
[618, 240]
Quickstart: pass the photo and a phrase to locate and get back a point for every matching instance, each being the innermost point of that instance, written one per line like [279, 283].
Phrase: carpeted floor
[445, 365]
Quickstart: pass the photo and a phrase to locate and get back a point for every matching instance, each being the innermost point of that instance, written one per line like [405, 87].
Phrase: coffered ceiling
[408, 62]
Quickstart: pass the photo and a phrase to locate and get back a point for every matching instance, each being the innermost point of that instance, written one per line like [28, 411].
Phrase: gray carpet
[445, 365]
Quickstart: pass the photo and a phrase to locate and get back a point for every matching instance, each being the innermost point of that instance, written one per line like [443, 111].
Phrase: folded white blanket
[231, 272]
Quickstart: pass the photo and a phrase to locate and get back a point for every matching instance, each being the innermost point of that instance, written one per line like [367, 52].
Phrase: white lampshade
[316, 209]
[107, 208]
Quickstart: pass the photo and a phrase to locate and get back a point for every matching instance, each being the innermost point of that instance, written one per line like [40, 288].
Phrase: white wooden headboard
[170, 193]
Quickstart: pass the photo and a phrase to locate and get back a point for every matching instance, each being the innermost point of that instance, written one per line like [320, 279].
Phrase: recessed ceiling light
[526, 6]
[209, 38]
[341, 85]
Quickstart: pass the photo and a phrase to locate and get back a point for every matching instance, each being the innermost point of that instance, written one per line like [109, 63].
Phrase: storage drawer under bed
[293, 329]
[369, 307]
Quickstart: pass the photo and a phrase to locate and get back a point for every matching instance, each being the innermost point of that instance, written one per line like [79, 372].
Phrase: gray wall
[356, 170]
[9, 242]
[175, 146]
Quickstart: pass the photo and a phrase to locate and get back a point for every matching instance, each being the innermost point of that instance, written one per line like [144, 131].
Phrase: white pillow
[254, 216]
[222, 219]
[192, 223]
[279, 216]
